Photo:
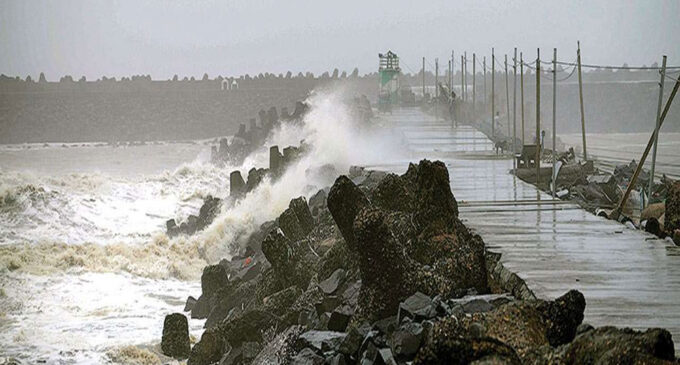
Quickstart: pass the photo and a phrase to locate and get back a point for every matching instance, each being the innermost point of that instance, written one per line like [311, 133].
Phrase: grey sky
[163, 38]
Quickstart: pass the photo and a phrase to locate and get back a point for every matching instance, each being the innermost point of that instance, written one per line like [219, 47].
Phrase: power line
[618, 67]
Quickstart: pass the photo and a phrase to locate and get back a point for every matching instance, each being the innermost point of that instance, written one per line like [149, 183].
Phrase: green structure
[388, 74]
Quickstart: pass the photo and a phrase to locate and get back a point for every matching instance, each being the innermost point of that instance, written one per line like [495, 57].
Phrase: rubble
[384, 271]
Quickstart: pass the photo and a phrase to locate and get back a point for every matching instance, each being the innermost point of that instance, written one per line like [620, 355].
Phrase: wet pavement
[629, 278]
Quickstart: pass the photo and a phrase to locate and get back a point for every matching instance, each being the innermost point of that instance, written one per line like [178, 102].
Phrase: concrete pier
[629, 278]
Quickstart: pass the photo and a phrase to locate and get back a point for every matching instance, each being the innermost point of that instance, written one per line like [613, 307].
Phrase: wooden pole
[538, 115]
[514, 109]
[507, 96]
[624, 198]
[493, 97]
[554, 126]
[474, 90]
[656, 129]
[580, 96]
[521, 88]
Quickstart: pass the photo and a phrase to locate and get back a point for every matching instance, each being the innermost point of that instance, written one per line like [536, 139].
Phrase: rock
[418, 307]
[353, 340]
[321, 340]
[672, 219]
[564, 315]
[213, 278]
[583, 328]
[301, 209]
[386, 325]
[477, 306]
[279, 302]
[307, 357]
[237, 187]
[247, 327]
[654, 227]
[255, 177]
[337, 359]
[208, 350]
[281, 348]
[318, 202]
[175, 341]
[327, 304]
[290, 225]
[460, 350]
[330, 285]
[339, 319]
[406, 341]
[171, 227]
[189, 305]
[609, 345]
[344, 202]
[386, 357]
[201, 309]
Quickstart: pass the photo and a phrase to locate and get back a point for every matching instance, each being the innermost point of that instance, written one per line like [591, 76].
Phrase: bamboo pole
[656, 129]
[580, 96]
[624, 198]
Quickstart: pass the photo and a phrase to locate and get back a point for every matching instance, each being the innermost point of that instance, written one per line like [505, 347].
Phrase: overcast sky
[163, 38]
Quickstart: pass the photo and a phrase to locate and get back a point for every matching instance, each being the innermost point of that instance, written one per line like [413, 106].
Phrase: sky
[189, 38]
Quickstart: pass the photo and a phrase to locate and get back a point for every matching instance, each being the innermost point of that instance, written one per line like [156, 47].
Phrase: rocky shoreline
[380, 269]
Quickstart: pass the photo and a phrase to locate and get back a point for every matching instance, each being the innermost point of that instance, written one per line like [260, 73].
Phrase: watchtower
[388, 74]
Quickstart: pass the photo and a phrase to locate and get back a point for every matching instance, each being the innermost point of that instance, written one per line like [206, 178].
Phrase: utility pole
[448, 81]
[619, 208]
[580, 97]
[538, 115]
[462, 78]
[656, 129]
[465, 75]
[436, 89]
[554, 126]
[521, 82]
[474, 91]
[507, 96]
[423, 78]
[436, 77]
[493, 97]
[453, 69]
[514, 109]
[484, 67]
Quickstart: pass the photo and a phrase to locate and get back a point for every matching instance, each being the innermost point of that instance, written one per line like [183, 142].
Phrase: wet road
[629, 278]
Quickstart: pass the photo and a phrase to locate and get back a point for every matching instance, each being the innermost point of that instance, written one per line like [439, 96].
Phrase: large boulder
[344, 202]
[175, 341]
[214, 277]
[610, 345]
[208, 350]
[564, 315]
[672, 219]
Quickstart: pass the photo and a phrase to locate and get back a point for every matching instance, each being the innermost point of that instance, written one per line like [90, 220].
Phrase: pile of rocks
[248, 140]
[380, 270]
[238, 188]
